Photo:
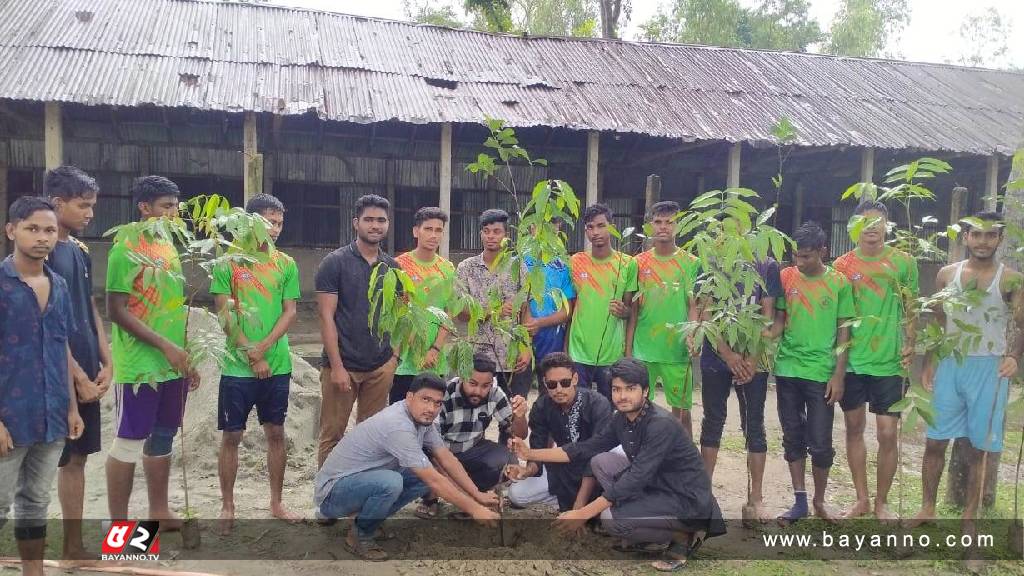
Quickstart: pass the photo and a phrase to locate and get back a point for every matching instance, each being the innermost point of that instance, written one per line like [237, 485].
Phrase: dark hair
[595, 210]
[429, 381]
[556, 360]
[868, 205]
[484, 364]
[261, 203]
[809, 236]
[493, 216]
[371, 201]
[68, 182]
[663, 207]
[26, 206]
[429, 213]
[987, 216]
[630, 371]
[149, 188]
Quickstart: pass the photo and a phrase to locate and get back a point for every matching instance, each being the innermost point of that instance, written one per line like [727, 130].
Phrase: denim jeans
[598, 375]
[374, 494]
[26, 475]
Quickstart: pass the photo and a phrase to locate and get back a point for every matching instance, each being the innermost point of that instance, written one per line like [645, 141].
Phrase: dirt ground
[258, 546]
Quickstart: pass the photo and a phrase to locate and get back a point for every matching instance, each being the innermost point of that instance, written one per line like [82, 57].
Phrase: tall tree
[770, 25]
[984, 39]
[612, 11]
[863, 27]
[534, 17]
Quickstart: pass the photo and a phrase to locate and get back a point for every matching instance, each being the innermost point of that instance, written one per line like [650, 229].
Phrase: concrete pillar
[53, 136]
[445, 196]
[593, 146]
[733, 177]
[992, 183]
[652, 193]
[956, 249]
[867, 165]
[798, 205]
[252, 160]
[3, 201]
[701, 185]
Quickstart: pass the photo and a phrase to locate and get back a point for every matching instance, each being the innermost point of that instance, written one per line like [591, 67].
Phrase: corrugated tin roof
[235, 57]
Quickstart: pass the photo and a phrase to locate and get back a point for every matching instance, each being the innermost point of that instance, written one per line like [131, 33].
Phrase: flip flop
[678, 556]
[428, 509]
[641, 547]
[366, 550]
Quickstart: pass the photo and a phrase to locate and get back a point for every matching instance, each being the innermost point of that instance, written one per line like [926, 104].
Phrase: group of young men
[594, 443]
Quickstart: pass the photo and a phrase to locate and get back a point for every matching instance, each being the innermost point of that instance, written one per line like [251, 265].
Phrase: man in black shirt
[658, 492]
[564, 415]
[73, 194]
[357, 366]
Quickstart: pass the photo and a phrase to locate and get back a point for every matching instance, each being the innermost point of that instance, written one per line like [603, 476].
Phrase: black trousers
[806, 420]
[484, 463]
[715, 388]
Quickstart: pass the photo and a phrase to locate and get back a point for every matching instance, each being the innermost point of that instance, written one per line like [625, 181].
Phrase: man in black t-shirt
[73, 194]
[357, 365]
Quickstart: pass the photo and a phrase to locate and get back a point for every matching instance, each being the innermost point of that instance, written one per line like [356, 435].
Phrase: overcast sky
[932, 36]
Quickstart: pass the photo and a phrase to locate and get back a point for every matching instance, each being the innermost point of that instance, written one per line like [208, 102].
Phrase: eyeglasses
[552, 384]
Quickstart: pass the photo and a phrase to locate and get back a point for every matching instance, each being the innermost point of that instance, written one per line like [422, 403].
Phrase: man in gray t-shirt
[382, 465]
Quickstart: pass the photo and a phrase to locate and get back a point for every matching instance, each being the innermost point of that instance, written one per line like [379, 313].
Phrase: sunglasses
[552, 384]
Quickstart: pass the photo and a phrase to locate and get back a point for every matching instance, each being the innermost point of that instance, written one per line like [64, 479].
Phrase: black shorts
[90, 442]
[880, 392]
[239, 394]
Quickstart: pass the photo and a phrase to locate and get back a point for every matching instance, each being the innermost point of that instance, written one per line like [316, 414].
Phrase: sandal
[367, 550]
[428, 509]
[678, 556]
[641, 547]
[384, 534]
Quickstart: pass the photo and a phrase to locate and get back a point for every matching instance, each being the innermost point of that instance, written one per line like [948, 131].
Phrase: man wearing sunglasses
[565, 414]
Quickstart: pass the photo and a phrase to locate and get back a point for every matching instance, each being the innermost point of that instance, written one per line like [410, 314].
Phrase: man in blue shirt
[37, 406]
[73, 194]
[547, 318]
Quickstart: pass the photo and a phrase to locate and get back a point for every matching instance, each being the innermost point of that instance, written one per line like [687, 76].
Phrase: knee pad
[160, 442]
[126, 450]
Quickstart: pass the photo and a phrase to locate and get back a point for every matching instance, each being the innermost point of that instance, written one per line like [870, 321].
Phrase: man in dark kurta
[658, 492]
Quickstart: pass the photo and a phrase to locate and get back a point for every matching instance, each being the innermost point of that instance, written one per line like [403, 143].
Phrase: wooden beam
[3, 203]
[593, 145]
[701, 184]
[798, 205]
[652, 192]
[252, 160]
[445, 196]
[867, 165]
[53, 136]
[956, 249]
[992, 183]
[732, 179]
[389, 183]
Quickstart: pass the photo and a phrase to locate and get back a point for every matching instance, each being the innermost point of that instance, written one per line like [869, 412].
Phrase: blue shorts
[965, 397]
[239, 394]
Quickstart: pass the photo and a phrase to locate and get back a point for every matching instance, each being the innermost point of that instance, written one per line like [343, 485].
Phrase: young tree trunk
[959, 467]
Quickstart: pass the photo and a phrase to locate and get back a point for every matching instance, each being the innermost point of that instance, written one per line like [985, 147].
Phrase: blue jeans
[598, 375]
[26, 475]
[374, 494]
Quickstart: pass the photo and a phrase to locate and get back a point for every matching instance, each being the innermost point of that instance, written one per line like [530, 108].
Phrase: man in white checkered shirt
[469, 408]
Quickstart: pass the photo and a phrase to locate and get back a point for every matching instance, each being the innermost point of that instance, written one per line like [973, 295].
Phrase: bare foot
[859, 508]
[281, 513]
[825, 513]
[884, 515]
[169, 522]
[77, 558]
[227, 521]
[925, 516]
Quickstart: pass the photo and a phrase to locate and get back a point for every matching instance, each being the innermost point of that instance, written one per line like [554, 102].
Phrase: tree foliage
[864, 27]
[985, 37]
[770, 25]
[577, 18]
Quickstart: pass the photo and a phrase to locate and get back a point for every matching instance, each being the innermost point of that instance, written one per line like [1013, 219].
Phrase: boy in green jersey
[809, 371]
[434, 277]
[605, 280]
[152, 375]
[256, 305]
[665, 278]
[880, 353]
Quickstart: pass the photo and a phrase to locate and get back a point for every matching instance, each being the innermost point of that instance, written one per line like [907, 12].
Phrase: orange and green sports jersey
[157, 299]
[665, 284]
[436, 280]
[258, 291]
[877, 285]
[814, 306]
[597, 283]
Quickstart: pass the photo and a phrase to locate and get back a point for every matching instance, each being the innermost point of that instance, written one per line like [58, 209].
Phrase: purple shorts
[139, 412]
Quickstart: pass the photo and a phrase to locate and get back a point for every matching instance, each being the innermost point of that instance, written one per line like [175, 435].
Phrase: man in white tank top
[970, 396]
